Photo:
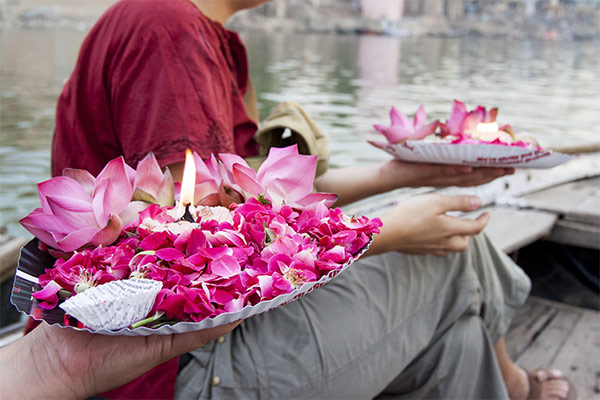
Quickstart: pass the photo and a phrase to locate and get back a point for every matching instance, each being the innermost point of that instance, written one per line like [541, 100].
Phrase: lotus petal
[130, 172]
[81, 176]
[131, 212]
[207, 171]
[110, 233]
[491, 115]
[380, 145]
[276, 154]
[61, 186]
[265, 283]
[229, 196]
[420, 117]
[229, 160]
[101, 201]
[140, 194]
[246, 178]
[426, 130]
[121, 192]
[41, 225]
[148, 176]
[399, 118]
[169, 254]
[166, 192]
[225, 266]
[48, 295]
[292, 183]
[311, 200]
[396, 133]
[76, 239]
[77, 213]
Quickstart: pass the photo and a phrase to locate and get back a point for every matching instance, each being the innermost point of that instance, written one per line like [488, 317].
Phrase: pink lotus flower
[285, 177]
[403, 128]
[214, 184]
[463, 125]
[454, 125]
[151, 185]
[78, 209]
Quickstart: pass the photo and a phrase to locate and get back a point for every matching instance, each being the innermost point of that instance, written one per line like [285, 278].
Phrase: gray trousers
[391, 326]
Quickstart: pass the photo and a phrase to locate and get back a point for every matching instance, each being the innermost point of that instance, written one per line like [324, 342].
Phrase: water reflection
[346, 83]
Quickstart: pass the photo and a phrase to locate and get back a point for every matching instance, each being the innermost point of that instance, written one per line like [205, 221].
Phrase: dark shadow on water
[567, 274]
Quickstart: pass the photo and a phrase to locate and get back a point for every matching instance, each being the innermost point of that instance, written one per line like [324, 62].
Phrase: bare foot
[548, 384]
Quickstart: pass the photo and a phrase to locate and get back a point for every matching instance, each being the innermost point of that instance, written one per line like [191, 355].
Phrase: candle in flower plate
[259, 240]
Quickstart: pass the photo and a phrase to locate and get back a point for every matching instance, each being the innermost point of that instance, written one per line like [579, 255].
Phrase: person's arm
[61, 363]
[420, 226]
[355, 183]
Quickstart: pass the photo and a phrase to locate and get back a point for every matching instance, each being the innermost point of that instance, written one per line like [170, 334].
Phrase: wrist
[393, 174]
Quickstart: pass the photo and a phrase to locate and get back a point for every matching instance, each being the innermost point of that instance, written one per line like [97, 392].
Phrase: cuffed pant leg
[459, 364]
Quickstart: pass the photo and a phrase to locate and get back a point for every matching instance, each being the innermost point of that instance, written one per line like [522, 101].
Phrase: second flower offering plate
[477, 155]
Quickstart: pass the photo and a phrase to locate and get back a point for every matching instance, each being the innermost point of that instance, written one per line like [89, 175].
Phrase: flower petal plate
[33, 262]
[477, 155]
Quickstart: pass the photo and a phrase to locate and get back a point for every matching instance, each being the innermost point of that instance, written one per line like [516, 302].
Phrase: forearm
[355, 183]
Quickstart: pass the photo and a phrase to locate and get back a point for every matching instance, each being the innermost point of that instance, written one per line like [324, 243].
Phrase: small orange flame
[189, 179]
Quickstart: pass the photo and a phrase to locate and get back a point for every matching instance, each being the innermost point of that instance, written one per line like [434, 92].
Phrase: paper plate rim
[19, 298]
[406, 151]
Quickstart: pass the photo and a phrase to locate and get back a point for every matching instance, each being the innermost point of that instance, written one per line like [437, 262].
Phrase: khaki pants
[391, 326]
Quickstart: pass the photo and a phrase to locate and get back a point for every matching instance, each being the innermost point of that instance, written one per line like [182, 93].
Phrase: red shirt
[153, 76]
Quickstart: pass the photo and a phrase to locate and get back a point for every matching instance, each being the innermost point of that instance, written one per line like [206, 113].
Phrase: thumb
[185, 342]
[461, 203]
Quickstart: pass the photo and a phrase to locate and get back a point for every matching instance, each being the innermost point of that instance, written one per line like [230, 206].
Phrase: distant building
[377, 10]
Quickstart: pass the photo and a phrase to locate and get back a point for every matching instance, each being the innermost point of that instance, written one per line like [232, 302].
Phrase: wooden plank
[504, 190]
[510, 229]
[589, 206]
[576, 234]
[549, 341]
[526, 326]
[577, 148]
[11, 333]
[573, 198]
[579, 358]
[9, 254]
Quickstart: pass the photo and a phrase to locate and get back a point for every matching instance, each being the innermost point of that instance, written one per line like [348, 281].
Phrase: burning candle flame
[189, 179]
[487, 127]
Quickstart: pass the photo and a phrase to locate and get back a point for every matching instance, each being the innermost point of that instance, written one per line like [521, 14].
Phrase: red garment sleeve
[170, 90]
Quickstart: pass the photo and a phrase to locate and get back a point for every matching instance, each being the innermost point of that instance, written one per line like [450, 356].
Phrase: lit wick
[187, 185]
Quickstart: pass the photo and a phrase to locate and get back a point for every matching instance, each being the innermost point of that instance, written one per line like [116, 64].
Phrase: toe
[555, 389]
[555, 373]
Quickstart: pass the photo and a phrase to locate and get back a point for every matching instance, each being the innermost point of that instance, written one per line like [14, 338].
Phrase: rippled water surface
[347, 83]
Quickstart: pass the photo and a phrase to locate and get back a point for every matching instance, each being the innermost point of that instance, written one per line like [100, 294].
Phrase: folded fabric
[303, 131]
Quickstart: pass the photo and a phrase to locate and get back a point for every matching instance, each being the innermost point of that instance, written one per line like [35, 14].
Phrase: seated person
[422, 316]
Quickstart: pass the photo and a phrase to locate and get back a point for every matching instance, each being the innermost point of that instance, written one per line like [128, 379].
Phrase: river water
[347, 83]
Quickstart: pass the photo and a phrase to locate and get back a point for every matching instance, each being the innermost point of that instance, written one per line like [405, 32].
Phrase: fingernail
[475, 202]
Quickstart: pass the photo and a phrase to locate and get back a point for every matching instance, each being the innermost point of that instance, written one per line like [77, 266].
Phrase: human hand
[53, 362]
[401, 173]
[420, 225]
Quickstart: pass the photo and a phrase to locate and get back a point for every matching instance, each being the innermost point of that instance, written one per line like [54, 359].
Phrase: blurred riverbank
[573, 20]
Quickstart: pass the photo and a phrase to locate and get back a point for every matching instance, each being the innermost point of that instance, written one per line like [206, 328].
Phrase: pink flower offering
[466, 138]
[249, 242]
